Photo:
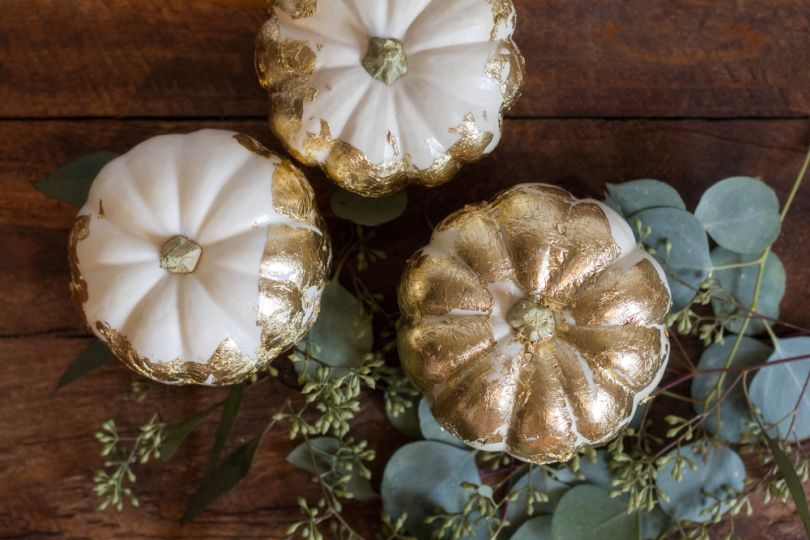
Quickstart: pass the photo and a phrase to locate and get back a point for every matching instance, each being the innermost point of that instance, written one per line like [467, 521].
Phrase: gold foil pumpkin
[534, 324]
[380, 93]
[198, 258]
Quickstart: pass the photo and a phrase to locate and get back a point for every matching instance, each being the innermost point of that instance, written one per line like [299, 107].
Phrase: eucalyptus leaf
[737, 287]
[407, 421]
[791, 477]
[177, 433]
[229, 412]
[741, 214]
[538, 528]
[688, 257]
[637, 195]
[589, 513]
[727, 419]
[779, 390]
[424, 478]
[318, 458]
[95, 355]
[432, 430]
[72, 182]
[553, 487]
[368, 212]
[719, 471]
[597, 472]
[233, 469]
[343, 335]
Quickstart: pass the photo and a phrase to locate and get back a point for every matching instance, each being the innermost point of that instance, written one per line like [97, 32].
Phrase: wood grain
[687, 91]
[667, 58]
[47, 453]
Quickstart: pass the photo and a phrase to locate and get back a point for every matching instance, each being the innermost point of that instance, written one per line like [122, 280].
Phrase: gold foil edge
[227, 365]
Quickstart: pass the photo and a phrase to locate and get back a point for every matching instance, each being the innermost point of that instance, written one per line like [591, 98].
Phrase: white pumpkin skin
[263, 259]
[372, 136]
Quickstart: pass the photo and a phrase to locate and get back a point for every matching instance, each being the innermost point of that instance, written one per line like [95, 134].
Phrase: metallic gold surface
[508, 54]
[478, 401]
[253, 145]
[78, 286]
[436, 286]
[285, 68]
[433, 350]
[292, 194]
[385, 60]
[296, 8]
[480, 244]
[623, 296]
[179, 255]
[585, 327]
[228, 364]
[502, 10]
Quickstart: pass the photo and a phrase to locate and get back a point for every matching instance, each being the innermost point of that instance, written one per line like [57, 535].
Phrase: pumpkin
[198, 258]
[380, 93]
[534, 324]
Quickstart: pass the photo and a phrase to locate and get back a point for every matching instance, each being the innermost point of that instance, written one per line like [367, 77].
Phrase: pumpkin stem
[179, 255]
[531, 320]
[386, 60]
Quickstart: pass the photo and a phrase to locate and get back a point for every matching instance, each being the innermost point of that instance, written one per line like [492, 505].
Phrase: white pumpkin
[534, 324]
[198, 258]
[382, 92]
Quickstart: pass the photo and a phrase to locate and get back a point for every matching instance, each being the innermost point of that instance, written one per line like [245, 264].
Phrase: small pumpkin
[380, 93]
[198, 258]
[534, 324]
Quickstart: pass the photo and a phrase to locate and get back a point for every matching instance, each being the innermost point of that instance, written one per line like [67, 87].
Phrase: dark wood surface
[687, 91]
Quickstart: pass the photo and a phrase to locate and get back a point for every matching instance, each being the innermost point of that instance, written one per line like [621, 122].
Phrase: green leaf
[688, 258]
[177, 433]
[741, 214]
[792, 481]
[407, 422]
[733, 409]
[424, 478]
[318, 458]
[588, 513]
[554, 487]
[343, 333]
[719, 470]
[432, 430]
[596, 473]
[538, 528]
[368, 212]
[738, 284]
[229, 413]
[637, 195]
[72, 182]
[779, 390]
[95, 355]
[223, 478]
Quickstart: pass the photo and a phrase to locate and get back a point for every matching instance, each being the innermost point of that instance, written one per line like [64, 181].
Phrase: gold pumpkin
[534, 324]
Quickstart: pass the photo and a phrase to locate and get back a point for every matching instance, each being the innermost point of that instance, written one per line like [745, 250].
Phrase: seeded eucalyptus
[747, 389]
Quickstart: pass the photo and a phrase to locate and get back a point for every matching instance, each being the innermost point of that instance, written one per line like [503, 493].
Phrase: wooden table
[687, 91]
